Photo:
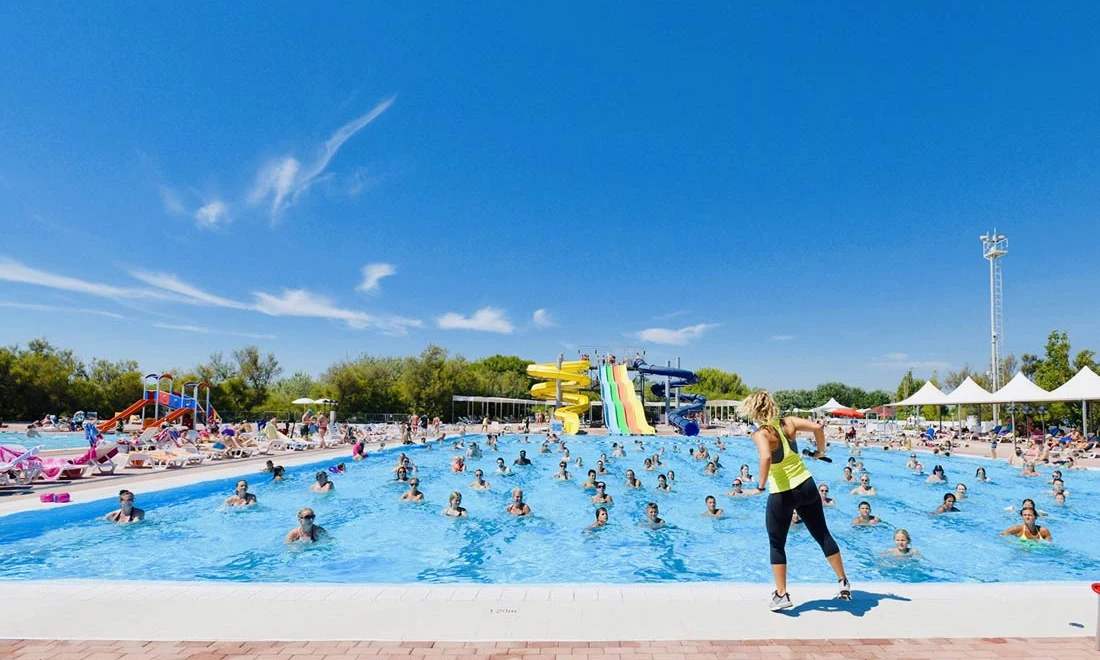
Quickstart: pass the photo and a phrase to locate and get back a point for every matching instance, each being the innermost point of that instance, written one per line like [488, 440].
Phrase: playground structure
[676, 379]
[168, 406]
[563, 380]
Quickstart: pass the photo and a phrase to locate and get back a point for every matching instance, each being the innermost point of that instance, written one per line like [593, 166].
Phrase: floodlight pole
[995, 246]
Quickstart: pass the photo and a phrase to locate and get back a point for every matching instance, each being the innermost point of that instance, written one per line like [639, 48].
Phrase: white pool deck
[154, 610]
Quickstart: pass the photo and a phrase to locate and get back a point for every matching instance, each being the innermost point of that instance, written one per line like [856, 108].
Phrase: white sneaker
[780, 602]
[845, 590]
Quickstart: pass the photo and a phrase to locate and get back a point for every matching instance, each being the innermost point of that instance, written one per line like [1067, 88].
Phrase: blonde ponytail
[760, 407]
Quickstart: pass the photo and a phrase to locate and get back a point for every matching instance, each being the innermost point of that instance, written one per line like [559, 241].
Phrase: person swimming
[518, 507]
[902, 547]
[479, 482]
[711, 469]
[522, 460]
[590, 483]
[823, 490]
[278, 473]
[848, 477]
[948, 505]
[413, 494]
[563, 472]
[662, 483]
[652, 516]
[241, 496]
[865, 519]
[712, 507]
[601, 518]
[323, 485]
[1028, 530]
[631, 480]
[647, 465]
[454, 506]
[937, 476]
[671, 476]
[126, 512]
[306, 529]
[979, 474]
[912, 462]
[502, 468]
[600, 469]
[268, 467]
[401, 475]
[1029, 470]
[960, 492]
[864, 488]
[601, 496]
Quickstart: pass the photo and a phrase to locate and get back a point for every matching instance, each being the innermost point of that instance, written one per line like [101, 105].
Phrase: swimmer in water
[652, 516]
[590, 483]
[241, 496]
[937, 476]
[823, 490]
[865, 519]
[268, 467]
[601, 496]
[518, 507]
[912, 463]
[1029, 530]
[711, 469]
[402, 474]
[454, 507]
[1060, 498]
[306, 530]
[278, 473]
[960, 492]
[413, 494]
[1029, 470]
[948, 505]
[1057, 474]
[563, 472]
[902, 547]
[126, 512]
[745, 475]
[601, 518]
[712, 507]
[1059, 487]
[662, 483]
[502, 468]
[617, 450]
[671, 476]
[631, 480]
[522, 460]
[919, 470]
[864, 488]
[979, 474]
[848, 478]
[647, 465]
[323, 485]
[600, 469]
[479, 482]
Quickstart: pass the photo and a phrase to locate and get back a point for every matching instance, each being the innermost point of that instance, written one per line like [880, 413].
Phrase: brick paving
[1074, 648]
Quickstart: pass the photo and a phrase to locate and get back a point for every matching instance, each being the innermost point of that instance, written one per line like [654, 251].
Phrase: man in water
[127, 512]
[865, 519]
[323, 485]
[518, 507]
[241, 496]
[479, 482]
[712, 507]
[502, 468]
[864, 488]
[601, 518]
[306, 530]
[522, 460]
[652, 516]
[601, 496]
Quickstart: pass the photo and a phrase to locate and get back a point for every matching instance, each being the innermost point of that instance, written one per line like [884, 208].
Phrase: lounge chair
[139, 459]
[167, 459]
[21, 470]
[60, 468]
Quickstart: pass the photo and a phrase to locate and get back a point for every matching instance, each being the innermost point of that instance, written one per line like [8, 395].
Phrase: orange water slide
[169, 418]
[125, 414]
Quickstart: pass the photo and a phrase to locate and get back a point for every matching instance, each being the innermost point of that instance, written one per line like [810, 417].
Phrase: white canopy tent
[927, 395]
[1019, 390]
[829, 406]
[1083, 387]
[968, 392]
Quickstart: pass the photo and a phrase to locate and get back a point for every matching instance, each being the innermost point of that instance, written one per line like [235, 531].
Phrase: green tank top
[787, 471]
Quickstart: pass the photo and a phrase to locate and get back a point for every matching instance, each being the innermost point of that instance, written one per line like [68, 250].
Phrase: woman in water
[479, 482]
[864, 488]
[278, 473]
[662, 483]
[979, 474]
[653, 516]
[518, 507]
[563, 472]
[902, 547]
[711, 469]
[1029, 530]
[601, 518]
[912, 463]
[671, 476]
[823, 490]
[601, 496]
[848, 477]
[413, 494]
[937, 476]
[1029, 470]
[454, 507]
[458, 464]
[1027, 504]
[402, 474]
[241, 496]
[960, 492]
[745, 475]
[323, 485]
[126, 512]
[948, 505]
[792, 490]
[306, 530]
[647, 465]
[631, 480]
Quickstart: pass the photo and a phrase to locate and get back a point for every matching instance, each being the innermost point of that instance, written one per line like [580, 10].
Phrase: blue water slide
[678, 378]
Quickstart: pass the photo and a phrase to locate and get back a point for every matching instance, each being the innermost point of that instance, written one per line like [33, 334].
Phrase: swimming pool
[46, 440]
[377, 539]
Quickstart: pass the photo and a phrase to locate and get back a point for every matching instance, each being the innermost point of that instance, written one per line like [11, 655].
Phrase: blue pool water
[187, 536]
[46, 440]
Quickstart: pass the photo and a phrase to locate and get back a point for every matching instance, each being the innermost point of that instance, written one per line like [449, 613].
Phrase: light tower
[995, 246]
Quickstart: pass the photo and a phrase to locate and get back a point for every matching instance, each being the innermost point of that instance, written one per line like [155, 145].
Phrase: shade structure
[927, 395]
[1085, 386]
[968, 392]
[846, 412]
[829, 406]
[1019, 390]
[303, 401]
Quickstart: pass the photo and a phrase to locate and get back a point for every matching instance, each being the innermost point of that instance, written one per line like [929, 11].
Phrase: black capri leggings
[805, 500]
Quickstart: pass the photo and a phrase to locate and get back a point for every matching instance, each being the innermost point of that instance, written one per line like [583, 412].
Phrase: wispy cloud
[298, 302]
[782, 337]
[675, 337]
[282, 182]
[212, 214]
[486, 319]
[542, 319]
[671, 315]
[373, 274]
[210, 331]
[34, 307]
[14, 271]
[293, 302]
[171, 200]
[905, 361]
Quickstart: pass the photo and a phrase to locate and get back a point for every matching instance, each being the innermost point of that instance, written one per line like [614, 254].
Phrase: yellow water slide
[573, 377]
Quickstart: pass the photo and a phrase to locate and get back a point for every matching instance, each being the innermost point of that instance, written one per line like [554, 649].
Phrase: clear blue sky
[794, 193]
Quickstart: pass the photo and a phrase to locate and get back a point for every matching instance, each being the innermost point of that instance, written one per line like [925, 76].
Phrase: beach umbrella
[303, 401]
[847, 412]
